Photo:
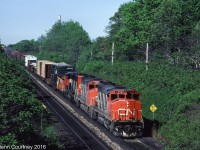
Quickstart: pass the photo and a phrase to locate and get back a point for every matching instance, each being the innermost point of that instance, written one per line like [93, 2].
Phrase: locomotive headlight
[127, 104]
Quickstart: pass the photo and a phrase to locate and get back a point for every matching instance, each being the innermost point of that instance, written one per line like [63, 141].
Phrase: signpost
[113, 49]
[153, 108]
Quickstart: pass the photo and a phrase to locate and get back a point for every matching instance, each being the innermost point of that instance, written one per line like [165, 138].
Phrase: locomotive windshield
[91, 86]
[136, 96]
[130, 95]
[113, 96]
[121, 96]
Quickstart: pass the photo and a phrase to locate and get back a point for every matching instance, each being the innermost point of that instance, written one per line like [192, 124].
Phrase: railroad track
[145, 143]
[80, 136]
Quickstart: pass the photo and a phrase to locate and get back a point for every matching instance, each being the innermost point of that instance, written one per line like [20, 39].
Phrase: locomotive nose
[127, 104]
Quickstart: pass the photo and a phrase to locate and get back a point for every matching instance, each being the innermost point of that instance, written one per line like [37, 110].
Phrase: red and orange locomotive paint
[119, 109]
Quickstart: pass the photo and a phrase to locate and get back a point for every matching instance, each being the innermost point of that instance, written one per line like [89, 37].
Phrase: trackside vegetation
[20, 111]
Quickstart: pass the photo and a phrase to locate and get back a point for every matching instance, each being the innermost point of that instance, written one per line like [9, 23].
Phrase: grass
[174, 91]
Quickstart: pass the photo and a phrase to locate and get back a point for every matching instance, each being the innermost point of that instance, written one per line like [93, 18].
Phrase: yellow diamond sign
[153, 108]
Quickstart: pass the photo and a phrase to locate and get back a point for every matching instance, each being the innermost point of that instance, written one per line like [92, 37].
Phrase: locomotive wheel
[77, 103]
[112, 126]
[107, 123]
[93, 114]
[140, 133]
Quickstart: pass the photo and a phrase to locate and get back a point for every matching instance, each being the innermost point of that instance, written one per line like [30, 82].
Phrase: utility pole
[91, 57]
[59, 38]
[59, 19]
[147, 55]
[113, 48]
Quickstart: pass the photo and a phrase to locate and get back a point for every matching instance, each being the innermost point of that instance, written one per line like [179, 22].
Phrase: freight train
[118, 108]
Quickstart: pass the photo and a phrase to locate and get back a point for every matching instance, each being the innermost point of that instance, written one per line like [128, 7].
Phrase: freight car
[30, 60]
[18, 55]
[44, 69]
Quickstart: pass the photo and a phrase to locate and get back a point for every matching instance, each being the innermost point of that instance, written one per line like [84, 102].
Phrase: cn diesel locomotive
[118, 108]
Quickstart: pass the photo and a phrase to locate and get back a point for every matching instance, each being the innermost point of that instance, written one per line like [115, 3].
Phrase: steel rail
[64, 120]
[64, 109]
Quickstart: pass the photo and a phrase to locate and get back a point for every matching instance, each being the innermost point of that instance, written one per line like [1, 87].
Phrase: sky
[29, 19]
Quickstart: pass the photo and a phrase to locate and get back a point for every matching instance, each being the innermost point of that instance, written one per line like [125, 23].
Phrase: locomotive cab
[126, 112]
[66, 84]
[123, 110]
[59, 69]
[125, 105]
[86, 94]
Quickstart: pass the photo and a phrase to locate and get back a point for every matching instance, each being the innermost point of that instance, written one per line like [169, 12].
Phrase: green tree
[167, 28]
[20, 112]
[130, 28]
[101, 48]
[1, 49]
[67, 39]
[26, 46]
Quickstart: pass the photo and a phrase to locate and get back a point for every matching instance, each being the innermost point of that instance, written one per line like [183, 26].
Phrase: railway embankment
[173, 90]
